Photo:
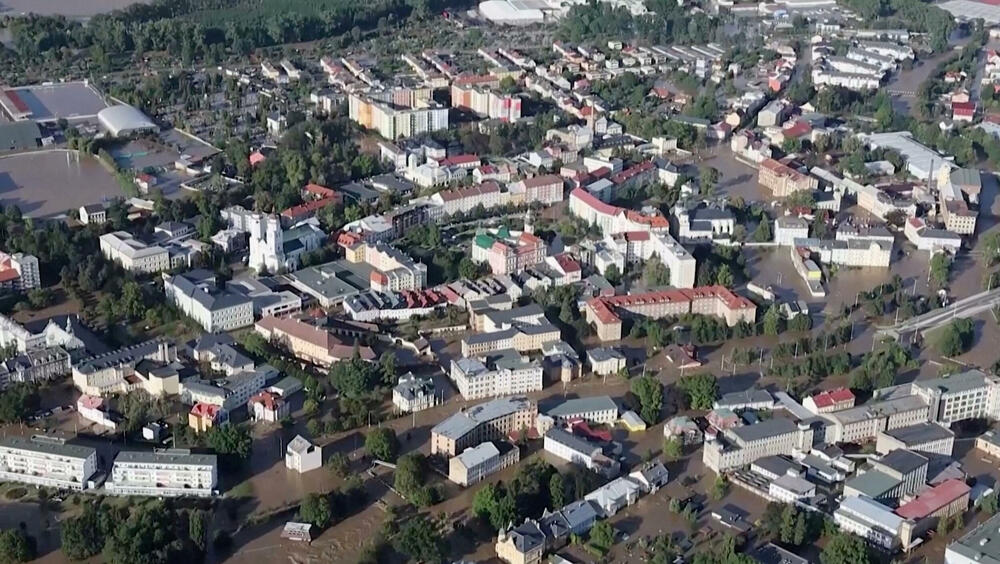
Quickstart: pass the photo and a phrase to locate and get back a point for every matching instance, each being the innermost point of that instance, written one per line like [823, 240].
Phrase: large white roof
[117, 119]
[504, 11]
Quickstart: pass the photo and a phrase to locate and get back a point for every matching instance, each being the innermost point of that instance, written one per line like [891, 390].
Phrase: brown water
[48, 183]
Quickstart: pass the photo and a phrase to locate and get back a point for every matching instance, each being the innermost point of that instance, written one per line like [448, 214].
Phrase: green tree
[82, 537]
[147, 536]
[940, 270]
[232, 441]
[557, 491]
[844, 548]
[411, 477]
[339, 464]
[18, 401]
[673, 448]
[772, 321]
[467, 268]
[708, 180]
[15, 547]
[602, 536]
[649, 390]
[315, 509]
[989, 504]
[493, 504]
[654, 273]
[382, 444]
[701, 390]
[40, 298]
[762, 233]
[387, 366]
[719, 487]
[956, 337]
[198, 528]
[613, 275]
[421, 540]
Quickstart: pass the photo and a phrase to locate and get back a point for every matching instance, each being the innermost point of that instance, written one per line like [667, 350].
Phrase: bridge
[963, 308]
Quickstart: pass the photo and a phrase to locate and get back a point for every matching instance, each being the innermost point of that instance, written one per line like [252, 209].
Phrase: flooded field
[48, 183]
[68, 8]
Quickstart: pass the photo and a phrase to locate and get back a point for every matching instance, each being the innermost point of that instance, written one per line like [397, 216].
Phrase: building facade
[164, 473]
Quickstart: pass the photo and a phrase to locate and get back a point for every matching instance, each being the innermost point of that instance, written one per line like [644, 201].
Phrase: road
[963, 308]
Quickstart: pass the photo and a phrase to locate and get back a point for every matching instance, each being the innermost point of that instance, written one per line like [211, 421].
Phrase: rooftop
[933, 499]
[902, 461]
[577, 406]
[465, 421]
[873, 483]
[920, 433]
[47, 445]
[166, 457]
[982, 544]
[764, 429]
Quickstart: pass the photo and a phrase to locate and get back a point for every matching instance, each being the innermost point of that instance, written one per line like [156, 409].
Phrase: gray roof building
[19, 136]
[166, 457]
[903, 461]
[573, 407]
[462, 423]
[48, 445]
[981, 545]
[764, 429]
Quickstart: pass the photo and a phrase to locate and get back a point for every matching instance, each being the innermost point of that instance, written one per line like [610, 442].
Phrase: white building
[197, 296]
[504, 373]
[633, 248]
[790, 489]
[476, 463]
[303, 456]
[981, 545]
[788, 228]
[928, 239]
[606, 361]
[274, 249]
[228, 393]
[741, 446]
[869, 520]
[134, 255]
[601, 410]
[164, 473]
[413, 393]
[972, 394]
[566, 446]
[47, 461]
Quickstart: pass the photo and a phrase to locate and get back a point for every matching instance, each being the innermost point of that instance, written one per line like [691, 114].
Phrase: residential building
[19, 272]
[506, 253]
[605, 312]
[926, 438]
[927, 239]
[870, 520]
[829, 401]
[486, 102]
[164, 473]
[601, 410]
[303, 456]
[308, 342]
[93, 214]
[615, 495]
[268, 407]
[93, 409]
[606, 361]
[134, 255]
[741, 446]
[413, 393]
[464, 200]
[989, 442]
[476, 463]
[38, 365]
[637, 247]
[47, 461]
[522, 335]
[502, 373]
[524, 544]
[488, 421]
[196, 295]
[783, 180]
[393, 117]
[859, 252]
[230, 392]
[788, 228]
[612, 219]
[205, 416]
[748, 399]
[115, 372]
[563, 444]
[392, 269]
[545, 189]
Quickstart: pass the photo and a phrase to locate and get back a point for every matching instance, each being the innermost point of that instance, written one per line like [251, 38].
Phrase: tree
[355, 377]
[557, 490]
[989, 504]
[879, 368]
[382, 444]
[387, 365]
[198, 528]
[613, 275]
[673, 448]
[602, 536]
[649, 390]
[421, 540]
[82, 537]
[147, 536]
[15, 547]
[708, 180]
[762, 234]
[956, 337]
[232, 441]
[467, 268]
[844, 548]
[654, 273]
[772, 321]
[339, 464]
[701, 390]
[40, 298]
[411, 477]
[719, 487]
[493, 503]
[315, 509]
[940, 269]
[17, 402]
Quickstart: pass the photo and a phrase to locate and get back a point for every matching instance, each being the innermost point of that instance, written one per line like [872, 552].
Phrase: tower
[529, 222]
[266, 243]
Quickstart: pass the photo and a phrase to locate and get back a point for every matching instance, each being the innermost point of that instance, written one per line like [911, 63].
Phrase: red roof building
[948, 498]
[830, 400]
[204, 416]
[963, 111]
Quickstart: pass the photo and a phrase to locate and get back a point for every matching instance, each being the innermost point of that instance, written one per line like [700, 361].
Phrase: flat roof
[170, 457]
[982, 544]
[920, 433]
[956, 383]
[465, 421]
[48, 445]
[583, 405]
[876, 409]
[69, 100]
[902, 461]
[764, 429]
[873, 483]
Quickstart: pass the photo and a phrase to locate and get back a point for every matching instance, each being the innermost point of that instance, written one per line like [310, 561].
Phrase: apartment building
[545, 189]
[956, 188]
[308, 342]
[858, 252]
[928, 239]
[393, 117]
[488, 421]
[229, 392]
[197, 296]
[502, 373]
[39, 365]
[268, 407]
[972, 394]
[164, 473]
[865, 422]
[564, 445]
[636, 247]
[612, 219]
[476, 463]
[464, 200]
[523, 329]
[19, 272]
[788, 228]
[783, 180]
[116, 372]
[600, 410]
[741, 446]
[486, 102]
[393, 270]
[870, 520]
[507, 253]
[134, 255]
[47, 461]
[606, 312]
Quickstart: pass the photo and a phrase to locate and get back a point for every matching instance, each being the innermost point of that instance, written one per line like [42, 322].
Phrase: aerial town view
[500, 281]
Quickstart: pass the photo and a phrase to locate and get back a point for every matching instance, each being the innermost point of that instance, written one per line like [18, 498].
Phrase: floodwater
[49, 183]
[68, 8]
